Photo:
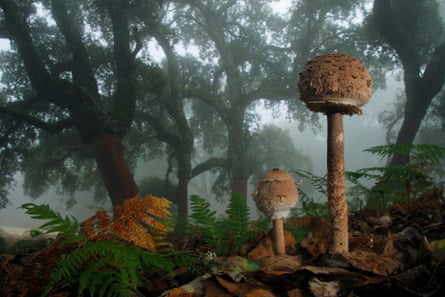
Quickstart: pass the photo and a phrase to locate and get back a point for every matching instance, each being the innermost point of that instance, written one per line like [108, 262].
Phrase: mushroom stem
[278, 237]
[337, 203]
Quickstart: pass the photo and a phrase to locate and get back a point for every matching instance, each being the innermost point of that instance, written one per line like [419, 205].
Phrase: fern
[416, 180]
[137, 221]
[318, 183]
[99, 261]
[106, 269]
[224, 235]
[204, 221]
[67, 227]
[238, 222]
[429, 153]
[201, 213]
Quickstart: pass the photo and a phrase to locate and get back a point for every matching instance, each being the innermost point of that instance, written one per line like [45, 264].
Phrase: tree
[269, 147]
[416, 33]
[170, 123]
[231, 33]
[250, 59]
[73, 70]
[272, 147]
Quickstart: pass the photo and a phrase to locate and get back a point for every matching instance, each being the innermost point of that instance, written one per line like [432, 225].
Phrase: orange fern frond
[94, 226]
[141, 221]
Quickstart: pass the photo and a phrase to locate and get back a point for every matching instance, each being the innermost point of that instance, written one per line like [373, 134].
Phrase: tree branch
[19, 31]
[433, 78]
[52, 127]
[125, 96]
[273, 89]
[162, 133]
[212, 100]
[211, 163]
[393, 32]
[81, 68]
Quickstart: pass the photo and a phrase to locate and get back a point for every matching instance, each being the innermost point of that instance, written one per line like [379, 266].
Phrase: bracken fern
[101, 261]
[138, 221]
[224, 235]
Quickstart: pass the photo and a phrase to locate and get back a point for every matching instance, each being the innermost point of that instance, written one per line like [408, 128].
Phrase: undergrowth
[224, 234]
[110, 256]
[383, 186]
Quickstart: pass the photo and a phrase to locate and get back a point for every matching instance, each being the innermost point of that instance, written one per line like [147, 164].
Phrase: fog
[361, 132]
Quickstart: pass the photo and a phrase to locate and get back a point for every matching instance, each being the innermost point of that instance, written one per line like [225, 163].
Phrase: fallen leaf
[265, 248]
[372, 262]
[278, 265]
[228, 285]
[324, 288]
[260, 293]
[178, 292]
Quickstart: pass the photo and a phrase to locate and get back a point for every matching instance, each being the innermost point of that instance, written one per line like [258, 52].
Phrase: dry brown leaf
[278, 265]
[213, 290]
[178, 292]
[228, 285]
[265, 248]
[372, 262]
[259, 293]
[324, 288]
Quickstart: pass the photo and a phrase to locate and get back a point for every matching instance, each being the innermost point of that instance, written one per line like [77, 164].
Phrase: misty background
[361, 132]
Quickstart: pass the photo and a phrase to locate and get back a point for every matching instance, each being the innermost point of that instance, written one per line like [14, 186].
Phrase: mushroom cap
[276, 194]
[335, 83]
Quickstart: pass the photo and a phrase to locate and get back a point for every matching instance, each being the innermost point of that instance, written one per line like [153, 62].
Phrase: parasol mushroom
[336, 84]
[275, 196]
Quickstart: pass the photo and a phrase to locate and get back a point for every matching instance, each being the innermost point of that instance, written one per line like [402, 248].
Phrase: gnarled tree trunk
[117, 177]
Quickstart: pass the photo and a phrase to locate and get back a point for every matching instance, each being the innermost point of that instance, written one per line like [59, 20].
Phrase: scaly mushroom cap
[276, 194]
[335, 83]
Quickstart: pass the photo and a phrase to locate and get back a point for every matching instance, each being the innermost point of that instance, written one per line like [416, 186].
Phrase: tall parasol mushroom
[336, 84]
[275, 196]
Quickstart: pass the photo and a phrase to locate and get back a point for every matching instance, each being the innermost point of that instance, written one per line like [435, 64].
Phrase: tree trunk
[118, 179]
[182, 197]
[239, 185]
[407, 133]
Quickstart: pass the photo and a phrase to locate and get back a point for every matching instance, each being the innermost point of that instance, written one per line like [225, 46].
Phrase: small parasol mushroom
[336, 84]
[275, 196]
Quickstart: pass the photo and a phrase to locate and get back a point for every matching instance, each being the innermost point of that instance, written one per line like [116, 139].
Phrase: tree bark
[407, 133]
[239, 185]
[117, 177]
[182, 197]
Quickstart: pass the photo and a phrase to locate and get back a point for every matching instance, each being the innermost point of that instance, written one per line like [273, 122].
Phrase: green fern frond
[224, 235]
[238, 222]
[415, 152]
[104, 268]
[67, 227]
[317, 182]
[201, 213]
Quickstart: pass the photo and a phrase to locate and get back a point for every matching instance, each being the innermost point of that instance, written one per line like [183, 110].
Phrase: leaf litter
[398, 251]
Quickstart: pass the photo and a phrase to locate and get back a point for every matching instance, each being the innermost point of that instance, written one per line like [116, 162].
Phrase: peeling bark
[118, 179]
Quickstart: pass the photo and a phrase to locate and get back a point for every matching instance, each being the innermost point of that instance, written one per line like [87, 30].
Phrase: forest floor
[398, 251]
